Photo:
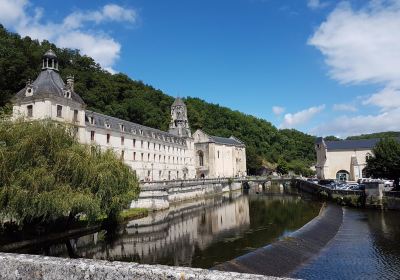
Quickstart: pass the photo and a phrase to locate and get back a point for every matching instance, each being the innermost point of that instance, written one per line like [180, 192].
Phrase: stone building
[343, 160]
[218, 156]
[153, 154]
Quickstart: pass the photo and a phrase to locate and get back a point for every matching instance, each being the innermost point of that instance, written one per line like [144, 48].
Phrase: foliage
[282, 167]
[45, 175]
[119, 96]
[375, 135]
[298, 167]
[385, 162]
[331, 138]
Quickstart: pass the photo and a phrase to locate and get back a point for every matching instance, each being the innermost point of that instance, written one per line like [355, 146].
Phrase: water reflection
[199, 233]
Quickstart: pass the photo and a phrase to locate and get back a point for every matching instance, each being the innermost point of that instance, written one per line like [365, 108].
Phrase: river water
[367, 246]
[201, 233]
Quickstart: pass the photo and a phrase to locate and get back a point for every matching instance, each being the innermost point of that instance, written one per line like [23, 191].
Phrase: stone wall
[13, 267]
[160, 196]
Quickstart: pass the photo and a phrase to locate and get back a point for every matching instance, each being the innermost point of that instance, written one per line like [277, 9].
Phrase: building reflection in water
[199, 233]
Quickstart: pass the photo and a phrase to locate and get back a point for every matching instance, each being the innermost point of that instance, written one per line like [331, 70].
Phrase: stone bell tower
[179, 122]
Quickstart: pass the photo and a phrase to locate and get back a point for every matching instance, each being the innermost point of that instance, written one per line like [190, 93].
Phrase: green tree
[46, 175]
[282, 167]
[385, 162]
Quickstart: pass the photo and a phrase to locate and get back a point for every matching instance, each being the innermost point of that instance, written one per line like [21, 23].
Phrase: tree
[282, 167]
[385, 162]
[46, 175]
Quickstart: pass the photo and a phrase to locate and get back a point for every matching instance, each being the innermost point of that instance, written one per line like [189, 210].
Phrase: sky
[325, 67]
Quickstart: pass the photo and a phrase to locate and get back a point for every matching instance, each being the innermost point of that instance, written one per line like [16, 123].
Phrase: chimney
[70, 83]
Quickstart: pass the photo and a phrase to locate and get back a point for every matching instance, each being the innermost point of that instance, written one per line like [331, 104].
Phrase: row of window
[154, 158]
[149, 145]
[122, 128]
[59, 112]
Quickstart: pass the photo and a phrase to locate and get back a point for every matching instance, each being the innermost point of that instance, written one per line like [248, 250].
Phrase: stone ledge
[21, 267]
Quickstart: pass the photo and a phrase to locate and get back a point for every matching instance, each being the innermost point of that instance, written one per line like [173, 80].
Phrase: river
[200, 233]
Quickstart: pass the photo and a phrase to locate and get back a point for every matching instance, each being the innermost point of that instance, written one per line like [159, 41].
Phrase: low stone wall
[160, 195]
[374, 195]
[21, 267]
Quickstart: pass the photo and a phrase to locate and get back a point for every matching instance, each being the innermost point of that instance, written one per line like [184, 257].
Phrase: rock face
[14, 267]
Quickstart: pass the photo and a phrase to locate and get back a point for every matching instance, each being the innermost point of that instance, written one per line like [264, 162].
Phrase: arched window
[342, 175]
[201, 158]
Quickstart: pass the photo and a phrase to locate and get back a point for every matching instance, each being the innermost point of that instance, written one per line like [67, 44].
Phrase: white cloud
[386, 99]
[344, 107]
[316, 4]
[12, 11]
[277, 110]
[361, 45]
[72, 31]
[345, 126]
[301, 117]
[109, 12]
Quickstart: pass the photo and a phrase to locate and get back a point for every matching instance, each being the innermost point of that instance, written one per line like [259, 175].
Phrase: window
[134, 155]
[159, 158]
[141, 143]
[159, 174]
[148, 157]
[92, 135]
[91, 120]
[154, 146]
[142, 156]
[75, 115]
[30, 110]
[108, 138]
[218, 154]
[148, 145]
[122, 140]
[134, 142]
[122, 127]
[201, 158]
[59, 111]
[122, 155]
[154, 158]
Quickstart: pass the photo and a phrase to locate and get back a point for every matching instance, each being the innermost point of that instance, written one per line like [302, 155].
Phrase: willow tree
[45, 175]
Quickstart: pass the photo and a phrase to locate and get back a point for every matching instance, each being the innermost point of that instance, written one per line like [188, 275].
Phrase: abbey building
[153, 154]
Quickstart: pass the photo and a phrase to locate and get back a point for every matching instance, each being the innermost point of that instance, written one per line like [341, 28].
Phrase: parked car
[313, 180]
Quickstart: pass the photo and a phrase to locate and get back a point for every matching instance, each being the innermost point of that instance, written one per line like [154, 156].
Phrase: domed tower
[48, 97]
[179, 122]
[50, 60]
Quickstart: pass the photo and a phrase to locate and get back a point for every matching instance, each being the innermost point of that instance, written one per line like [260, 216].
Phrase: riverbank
[286, 255]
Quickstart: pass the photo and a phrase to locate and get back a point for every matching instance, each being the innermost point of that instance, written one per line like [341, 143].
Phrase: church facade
[343, 160]
[153, 154]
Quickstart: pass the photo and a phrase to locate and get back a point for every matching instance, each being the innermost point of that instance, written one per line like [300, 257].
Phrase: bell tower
[179, 122]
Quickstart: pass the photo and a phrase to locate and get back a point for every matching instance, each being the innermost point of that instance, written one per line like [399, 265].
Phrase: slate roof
[351, 144]
[226, 141]
[114, 124]
[47, 83]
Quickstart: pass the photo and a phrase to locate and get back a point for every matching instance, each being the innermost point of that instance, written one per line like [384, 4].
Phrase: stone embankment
[13, 267]
[283, 257]
[373, 196]
[159, 195]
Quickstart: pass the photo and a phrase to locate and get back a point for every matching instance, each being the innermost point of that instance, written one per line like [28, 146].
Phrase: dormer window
[91, 119]
[122, 127]
[107, 124]
[29, 91]
[68, 94]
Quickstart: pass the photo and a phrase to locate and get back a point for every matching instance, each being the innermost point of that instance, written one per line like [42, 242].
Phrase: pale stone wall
[220, 160]
[13, 267]
[341, 160]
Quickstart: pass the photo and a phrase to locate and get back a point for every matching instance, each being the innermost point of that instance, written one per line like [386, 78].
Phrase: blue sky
[324, 67]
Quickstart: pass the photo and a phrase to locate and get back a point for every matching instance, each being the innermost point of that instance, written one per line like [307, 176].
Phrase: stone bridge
[158, 195]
